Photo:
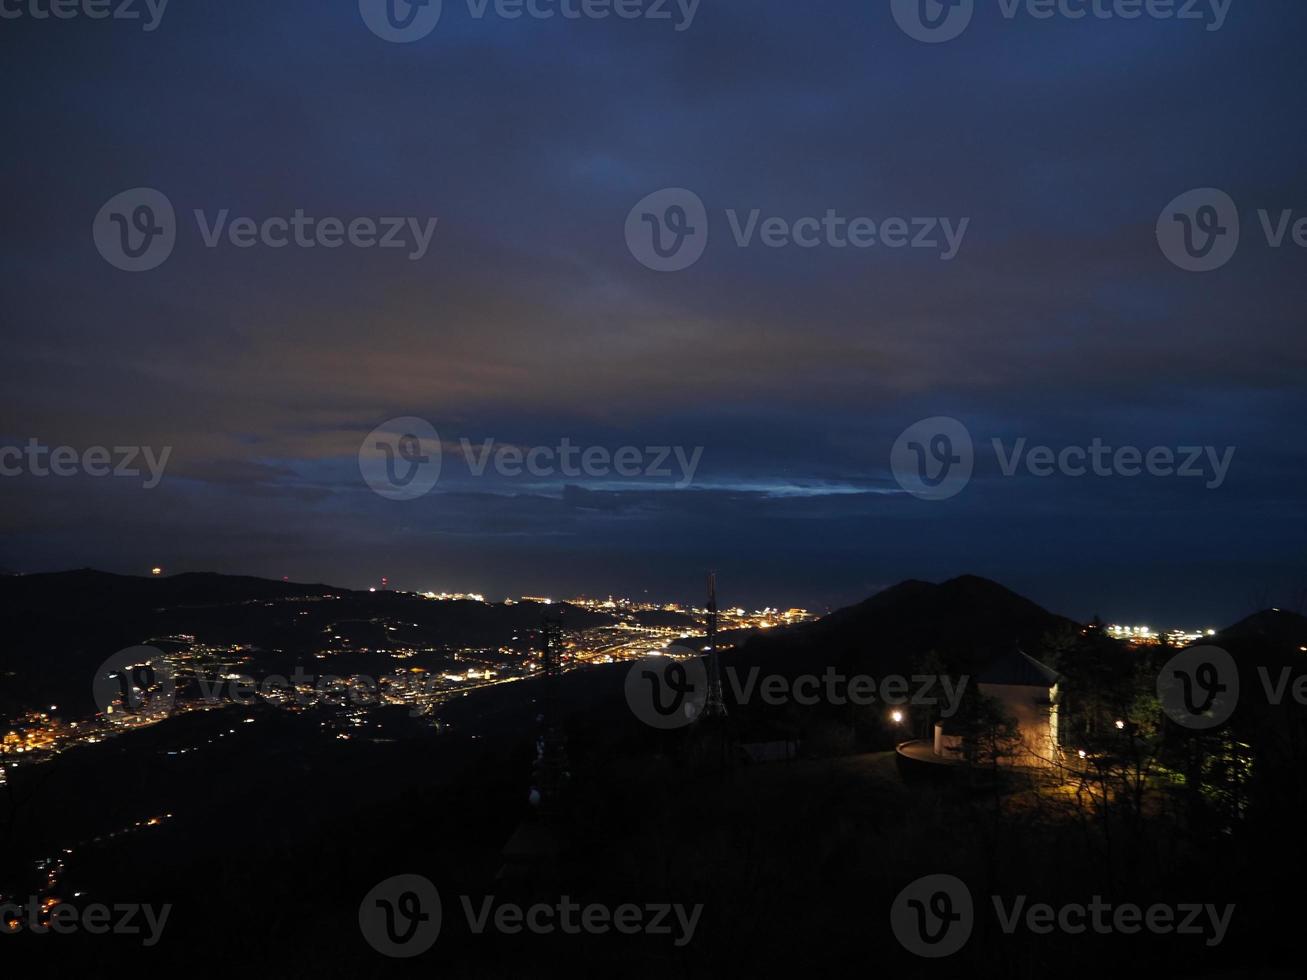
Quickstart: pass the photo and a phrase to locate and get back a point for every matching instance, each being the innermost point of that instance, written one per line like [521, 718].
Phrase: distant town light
[156, 570]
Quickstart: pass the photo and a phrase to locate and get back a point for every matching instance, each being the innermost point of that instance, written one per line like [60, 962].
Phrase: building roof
[1015, 668]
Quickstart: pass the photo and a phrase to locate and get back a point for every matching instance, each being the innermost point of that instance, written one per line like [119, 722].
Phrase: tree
[990, 736]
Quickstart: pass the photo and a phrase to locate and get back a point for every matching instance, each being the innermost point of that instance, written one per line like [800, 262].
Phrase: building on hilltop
[1027, 691]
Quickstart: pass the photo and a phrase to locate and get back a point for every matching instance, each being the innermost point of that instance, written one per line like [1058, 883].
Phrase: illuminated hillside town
[210, 676]
[208, 673]
[1145, 635]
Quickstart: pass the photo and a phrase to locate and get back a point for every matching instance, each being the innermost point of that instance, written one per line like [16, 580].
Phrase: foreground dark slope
[279, 830]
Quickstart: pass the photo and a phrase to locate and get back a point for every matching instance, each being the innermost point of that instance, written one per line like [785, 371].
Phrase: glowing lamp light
[1120, 725]
[1084, 754]
[897, 716]
[156, 570]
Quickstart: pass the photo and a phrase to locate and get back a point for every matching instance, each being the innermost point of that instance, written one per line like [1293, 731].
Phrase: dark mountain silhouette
[968, 621]
[1274, 628]
[88, 588]
[965, 620]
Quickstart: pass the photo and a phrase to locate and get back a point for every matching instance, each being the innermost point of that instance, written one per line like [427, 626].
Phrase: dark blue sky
[529, 320]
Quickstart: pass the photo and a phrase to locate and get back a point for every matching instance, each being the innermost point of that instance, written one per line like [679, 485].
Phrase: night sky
[529, 320]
